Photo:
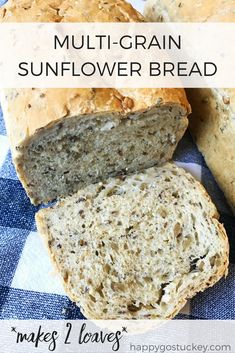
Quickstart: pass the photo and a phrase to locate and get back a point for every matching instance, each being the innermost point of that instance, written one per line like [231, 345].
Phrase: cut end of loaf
[60, 159]
[136, 247]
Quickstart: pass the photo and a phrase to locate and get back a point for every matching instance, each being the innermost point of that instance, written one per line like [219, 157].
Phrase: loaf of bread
[63, 139]
[212, 123]
[136, 247]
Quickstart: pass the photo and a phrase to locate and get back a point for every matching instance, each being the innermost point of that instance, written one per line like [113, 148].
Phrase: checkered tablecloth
[29, 288]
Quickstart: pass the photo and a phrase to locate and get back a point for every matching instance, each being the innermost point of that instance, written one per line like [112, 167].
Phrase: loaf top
[193, 10]
[27, 110]
[69, 11]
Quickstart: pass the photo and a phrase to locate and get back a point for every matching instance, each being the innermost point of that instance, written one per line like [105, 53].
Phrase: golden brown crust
[69, 11]
[27, 110]
[31, 109]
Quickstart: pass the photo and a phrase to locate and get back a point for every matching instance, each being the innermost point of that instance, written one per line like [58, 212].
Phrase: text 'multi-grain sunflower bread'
[212, 123]
[136, 246]
[63, 139]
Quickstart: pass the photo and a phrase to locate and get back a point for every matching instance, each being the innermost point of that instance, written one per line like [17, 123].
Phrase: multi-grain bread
[63, 139]
[137, 246]
[212, 123]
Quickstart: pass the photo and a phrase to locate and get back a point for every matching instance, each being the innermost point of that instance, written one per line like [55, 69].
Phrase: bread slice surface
[136, 247]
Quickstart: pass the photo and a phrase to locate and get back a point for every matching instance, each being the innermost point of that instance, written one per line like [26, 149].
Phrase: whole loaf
[212, 123]
[63, 139]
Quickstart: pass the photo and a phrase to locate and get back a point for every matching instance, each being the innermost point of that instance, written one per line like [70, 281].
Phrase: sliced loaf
[63, 139]
[137, 246]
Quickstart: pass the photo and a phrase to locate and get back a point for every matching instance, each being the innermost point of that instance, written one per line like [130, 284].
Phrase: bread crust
[213, 129]
[69, 11]
[212, 123]
[23, 107]
[212, 213]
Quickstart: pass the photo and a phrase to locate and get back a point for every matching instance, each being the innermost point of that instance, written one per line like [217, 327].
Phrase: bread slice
[136, 247]
[63, 139]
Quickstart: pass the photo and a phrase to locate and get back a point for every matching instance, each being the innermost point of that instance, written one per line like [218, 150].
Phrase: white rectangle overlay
[117, 336]
[130, 55]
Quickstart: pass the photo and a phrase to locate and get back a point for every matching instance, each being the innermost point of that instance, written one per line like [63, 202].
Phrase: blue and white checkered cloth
[29, 288]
